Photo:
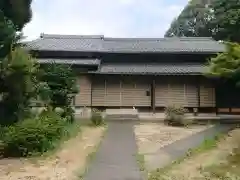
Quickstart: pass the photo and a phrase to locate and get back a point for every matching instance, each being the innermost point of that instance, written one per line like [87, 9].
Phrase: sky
[111, 18]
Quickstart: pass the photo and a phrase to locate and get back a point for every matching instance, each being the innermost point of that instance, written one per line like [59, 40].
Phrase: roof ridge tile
[161, 39]
[63, 36]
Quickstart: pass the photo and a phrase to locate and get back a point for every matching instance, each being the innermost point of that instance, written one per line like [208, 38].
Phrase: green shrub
[175, 115]
[97, 118]
[68, 113]
[33, 136]
[60, 88]
[18, 82]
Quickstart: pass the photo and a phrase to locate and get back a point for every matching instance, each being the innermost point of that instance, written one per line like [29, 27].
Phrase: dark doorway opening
[228, 97]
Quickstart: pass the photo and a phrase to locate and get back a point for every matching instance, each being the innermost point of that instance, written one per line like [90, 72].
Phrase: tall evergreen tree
[200, 18]
[18, 11]
[15, 64]
[193, 20]
[7, 34]
[225, 23]
[14, 14]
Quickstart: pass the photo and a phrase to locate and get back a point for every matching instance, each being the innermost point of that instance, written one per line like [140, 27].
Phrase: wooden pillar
[216, 96]
[105, 91]
[74, 101]
[91, 79]
[153, 98]
[198, 91]
[120, 86]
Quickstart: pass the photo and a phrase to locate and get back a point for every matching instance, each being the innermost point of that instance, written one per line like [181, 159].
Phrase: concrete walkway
[178, 149]
[116, 156]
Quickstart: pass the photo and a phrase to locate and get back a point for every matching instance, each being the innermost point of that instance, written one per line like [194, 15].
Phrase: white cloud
[118, 18]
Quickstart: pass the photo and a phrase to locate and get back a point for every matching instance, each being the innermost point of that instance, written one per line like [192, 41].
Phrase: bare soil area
[62, 165]
[153, 136]
[211, 164]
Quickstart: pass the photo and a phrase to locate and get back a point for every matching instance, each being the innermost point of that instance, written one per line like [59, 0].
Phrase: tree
[18, 11]
[193, 20]
[62, 87]
[17, 67]
[225, 23]
[227, 64]
[14, 14]
[7, 34]
[18, 85]
[219, 19]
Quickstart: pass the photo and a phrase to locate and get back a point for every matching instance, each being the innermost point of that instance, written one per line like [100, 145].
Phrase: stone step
[121, 111]
[122, 117]
[122, 114]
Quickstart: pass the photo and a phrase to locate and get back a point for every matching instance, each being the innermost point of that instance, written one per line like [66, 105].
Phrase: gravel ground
[153, 136]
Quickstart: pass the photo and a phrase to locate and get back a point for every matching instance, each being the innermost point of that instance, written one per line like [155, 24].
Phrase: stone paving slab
[116, 156]
[164, 156]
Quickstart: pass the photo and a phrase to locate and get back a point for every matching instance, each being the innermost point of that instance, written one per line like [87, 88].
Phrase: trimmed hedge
[33, 136]
[175, 115]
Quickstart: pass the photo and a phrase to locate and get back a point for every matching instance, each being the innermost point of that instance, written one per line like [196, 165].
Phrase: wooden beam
[224, 110]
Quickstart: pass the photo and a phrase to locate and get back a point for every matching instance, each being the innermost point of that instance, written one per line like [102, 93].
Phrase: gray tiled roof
[163, 45]
[124, 45]
[66, 43]
[89, 62]
[157, 68]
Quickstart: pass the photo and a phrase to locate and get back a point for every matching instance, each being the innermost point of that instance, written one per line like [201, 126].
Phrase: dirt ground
[62, 165]
[194, 167]
[153, 136]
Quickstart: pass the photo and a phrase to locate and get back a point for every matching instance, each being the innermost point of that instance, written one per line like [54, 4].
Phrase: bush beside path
[63, 164]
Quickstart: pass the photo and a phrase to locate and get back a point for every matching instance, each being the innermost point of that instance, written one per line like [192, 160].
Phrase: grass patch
[226, 170]
[208, 144]
[88, 122]
[141, 162]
